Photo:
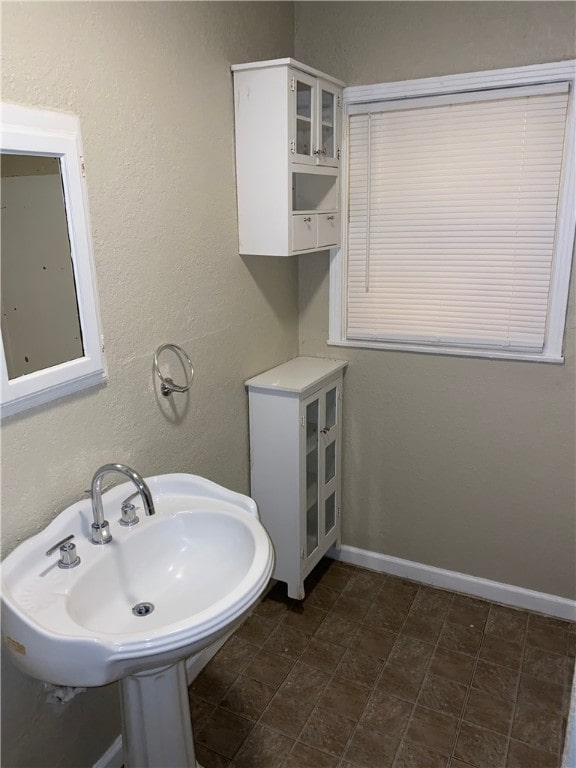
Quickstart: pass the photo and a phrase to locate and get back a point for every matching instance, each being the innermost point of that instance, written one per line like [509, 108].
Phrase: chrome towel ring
[167, 385]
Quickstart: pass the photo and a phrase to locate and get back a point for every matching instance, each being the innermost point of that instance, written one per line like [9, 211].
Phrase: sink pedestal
[156, 722]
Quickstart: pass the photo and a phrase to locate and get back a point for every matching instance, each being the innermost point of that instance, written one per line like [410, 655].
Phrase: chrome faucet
[100, 527]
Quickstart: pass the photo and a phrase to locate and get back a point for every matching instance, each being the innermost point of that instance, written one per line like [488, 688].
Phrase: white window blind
[452, 217]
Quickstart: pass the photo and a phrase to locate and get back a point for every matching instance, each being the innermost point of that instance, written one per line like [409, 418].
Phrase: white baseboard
[114, 755]
[518, 597]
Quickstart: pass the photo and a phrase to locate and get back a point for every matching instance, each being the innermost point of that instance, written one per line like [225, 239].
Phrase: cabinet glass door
[312, 476]
[331, 406]
[320, 414]
[328, 138]
[305, 109]
[331, 447]
[328, 123]
[303, 118]
[329, 513]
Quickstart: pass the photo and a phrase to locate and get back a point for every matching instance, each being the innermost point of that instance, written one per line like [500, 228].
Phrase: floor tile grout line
[253, 722]
[373, 688]
[341, 757]
[258, 721]
[476, 657]
[374, 684]
[513, 718]
[470, 688]
[558, 752]
[332, 677]
[508, 736]
[468, 692]
[239, 673]
[436, 646]
[298, 658]
[379, 677]
[294, 662]
[349, 740]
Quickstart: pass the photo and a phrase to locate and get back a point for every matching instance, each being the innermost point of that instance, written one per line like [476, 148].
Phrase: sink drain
[142, 609]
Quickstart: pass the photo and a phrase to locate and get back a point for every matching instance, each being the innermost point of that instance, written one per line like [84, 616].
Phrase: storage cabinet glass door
[328, 125]
[330, 448]
[315, 138]
[305, 108]
[312, 476]
[322, 455]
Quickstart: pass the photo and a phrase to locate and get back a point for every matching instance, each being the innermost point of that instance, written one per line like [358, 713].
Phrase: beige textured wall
[458, 463]
[152, 86]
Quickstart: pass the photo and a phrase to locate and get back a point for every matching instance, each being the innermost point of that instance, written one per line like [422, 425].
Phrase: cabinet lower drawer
[328, 229]
[311, 231]
[304, 232]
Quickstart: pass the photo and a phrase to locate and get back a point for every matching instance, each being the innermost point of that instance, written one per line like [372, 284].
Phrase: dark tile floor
[372, 671]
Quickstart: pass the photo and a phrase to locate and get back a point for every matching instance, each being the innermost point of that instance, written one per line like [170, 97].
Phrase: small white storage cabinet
[288, 127]
[295, 461]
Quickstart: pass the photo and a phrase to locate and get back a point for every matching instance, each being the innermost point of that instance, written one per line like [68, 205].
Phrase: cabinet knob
[307, 218]
[330, 218]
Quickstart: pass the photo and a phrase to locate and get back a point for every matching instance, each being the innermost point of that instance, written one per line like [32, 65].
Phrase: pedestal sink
[134, 609]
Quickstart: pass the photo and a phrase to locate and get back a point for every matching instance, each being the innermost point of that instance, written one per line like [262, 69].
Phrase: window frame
[555, 72]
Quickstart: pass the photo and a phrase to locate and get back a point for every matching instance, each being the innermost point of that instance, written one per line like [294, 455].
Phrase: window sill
[485, 354]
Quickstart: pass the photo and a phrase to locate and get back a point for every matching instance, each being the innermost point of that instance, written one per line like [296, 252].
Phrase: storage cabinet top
[288, 63]
[299, 375]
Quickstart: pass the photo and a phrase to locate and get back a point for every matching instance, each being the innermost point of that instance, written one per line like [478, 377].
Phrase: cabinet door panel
[304, 232]
[330, 457]
[312, 531]
[328, 127]
[329, 462]
[328, 229]
[304, 111]
[312, 526]
[329, 513]
[331, 414]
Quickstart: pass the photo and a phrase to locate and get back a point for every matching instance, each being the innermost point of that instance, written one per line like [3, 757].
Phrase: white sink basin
[202, 560]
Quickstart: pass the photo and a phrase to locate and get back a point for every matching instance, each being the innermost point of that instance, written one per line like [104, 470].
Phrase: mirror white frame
[31, 131]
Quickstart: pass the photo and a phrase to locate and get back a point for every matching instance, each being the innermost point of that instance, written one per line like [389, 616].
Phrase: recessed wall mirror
[51, 341]
[40, 322]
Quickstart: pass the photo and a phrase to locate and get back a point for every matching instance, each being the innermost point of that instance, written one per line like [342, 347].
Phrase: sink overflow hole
[142, 609]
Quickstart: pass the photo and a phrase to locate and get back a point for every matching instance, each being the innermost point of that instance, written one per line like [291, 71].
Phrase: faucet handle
[68, 555]
[59, 544]
[128, 510]
[128, 501]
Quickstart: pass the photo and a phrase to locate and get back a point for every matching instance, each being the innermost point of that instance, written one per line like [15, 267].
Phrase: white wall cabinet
[288, 128]
[295, 461]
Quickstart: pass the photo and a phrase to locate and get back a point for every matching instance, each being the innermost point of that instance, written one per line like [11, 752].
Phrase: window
[460, 222]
